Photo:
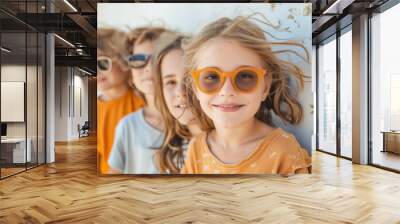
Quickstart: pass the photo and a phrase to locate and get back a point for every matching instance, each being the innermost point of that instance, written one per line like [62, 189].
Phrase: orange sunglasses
[244, 79]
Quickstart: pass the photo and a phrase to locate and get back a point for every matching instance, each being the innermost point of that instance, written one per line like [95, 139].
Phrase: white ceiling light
[86, 72]
[70, 5]
[5, 50]
[64, 40]
[79, 51]
[337, 7]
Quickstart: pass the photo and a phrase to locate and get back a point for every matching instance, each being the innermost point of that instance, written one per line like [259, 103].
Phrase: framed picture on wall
[204, 88]
[12, 101]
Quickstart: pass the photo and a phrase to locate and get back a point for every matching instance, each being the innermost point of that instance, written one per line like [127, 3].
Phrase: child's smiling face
[229, 108]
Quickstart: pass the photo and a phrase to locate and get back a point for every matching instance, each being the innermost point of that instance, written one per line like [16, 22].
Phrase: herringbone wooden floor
[70, 191]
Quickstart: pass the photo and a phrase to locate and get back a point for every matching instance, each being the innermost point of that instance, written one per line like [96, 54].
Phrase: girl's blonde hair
[143, 34]
[113, 43]
[170, 157]
[281, 100]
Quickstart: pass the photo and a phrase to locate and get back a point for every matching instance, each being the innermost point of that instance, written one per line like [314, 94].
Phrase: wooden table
[391, 141]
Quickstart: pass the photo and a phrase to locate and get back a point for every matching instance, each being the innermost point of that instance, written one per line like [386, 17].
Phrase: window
[327, 96]
[385, 87]
[346, 94]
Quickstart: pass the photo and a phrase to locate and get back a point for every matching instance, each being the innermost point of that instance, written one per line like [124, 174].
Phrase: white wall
[67, 114]
[12, 101]
[33, 126]
[16, 73]
[61, 103]
[79, 117]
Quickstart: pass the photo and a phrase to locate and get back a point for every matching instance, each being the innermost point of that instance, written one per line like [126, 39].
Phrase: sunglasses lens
[103, 65]
[246, 80]
[209, 80]
[138, 60]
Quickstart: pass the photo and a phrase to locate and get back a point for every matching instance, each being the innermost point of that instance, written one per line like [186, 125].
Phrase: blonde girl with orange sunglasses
[236, 82]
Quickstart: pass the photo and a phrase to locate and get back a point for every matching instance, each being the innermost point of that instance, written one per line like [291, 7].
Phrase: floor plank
[69, 191]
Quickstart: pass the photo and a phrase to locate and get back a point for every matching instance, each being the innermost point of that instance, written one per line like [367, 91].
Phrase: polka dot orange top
[278, 153]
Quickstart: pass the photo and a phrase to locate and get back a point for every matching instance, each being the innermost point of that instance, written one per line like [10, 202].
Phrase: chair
[84, 130]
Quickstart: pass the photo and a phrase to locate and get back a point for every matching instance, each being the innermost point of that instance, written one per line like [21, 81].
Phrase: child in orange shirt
[116, 98]
[235, 82]
[171, 99]
[139, 135]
